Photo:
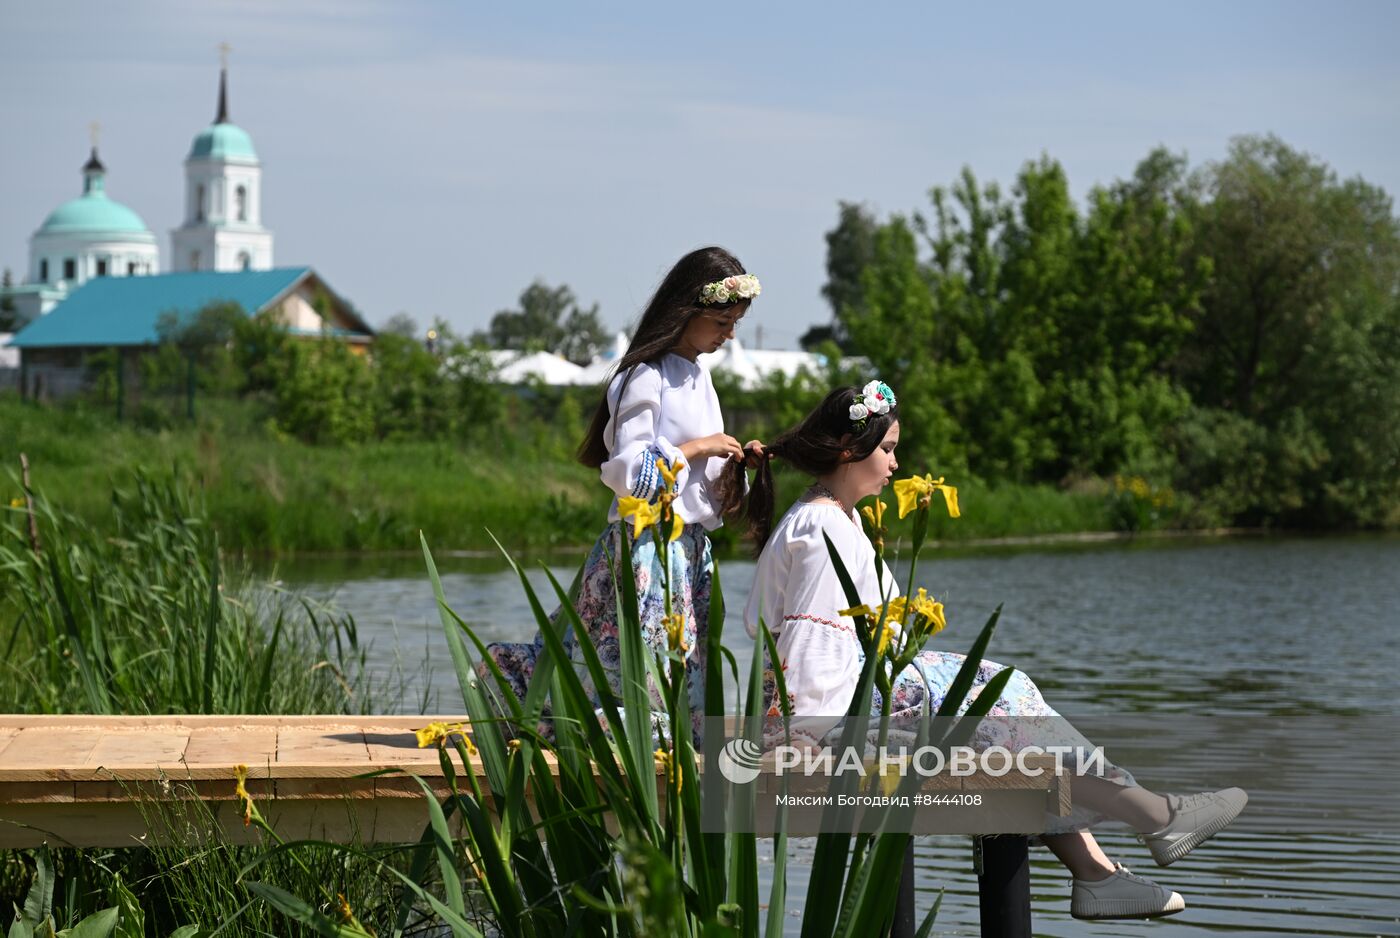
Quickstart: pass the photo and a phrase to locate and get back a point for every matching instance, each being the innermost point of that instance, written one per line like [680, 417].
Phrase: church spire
[93, 168]
[222, 117]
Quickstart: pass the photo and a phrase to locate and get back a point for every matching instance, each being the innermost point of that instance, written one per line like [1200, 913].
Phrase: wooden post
[29, 504]
[1004, 885]
[904, 914]
[121, 383]
[189, 385]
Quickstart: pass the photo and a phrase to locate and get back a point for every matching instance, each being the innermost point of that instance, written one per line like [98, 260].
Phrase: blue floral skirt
[1020, 718]
[691, 578]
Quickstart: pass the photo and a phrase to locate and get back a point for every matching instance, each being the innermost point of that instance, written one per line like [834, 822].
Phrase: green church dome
[93, 212]
[223, 141]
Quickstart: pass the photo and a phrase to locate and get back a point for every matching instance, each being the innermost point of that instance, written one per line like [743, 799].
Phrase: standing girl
[660, 418]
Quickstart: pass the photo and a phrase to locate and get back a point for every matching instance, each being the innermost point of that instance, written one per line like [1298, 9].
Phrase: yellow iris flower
[861, 610]
[675, 631]
[664, 760]
[435, 734]
[240, 791]
[670, 471]
[886, 634]
[917, 491]
[875, 514]
[890, 777]
[930, 609]
[642, 512]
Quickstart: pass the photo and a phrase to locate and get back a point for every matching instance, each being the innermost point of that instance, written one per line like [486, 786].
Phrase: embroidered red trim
[839, 626]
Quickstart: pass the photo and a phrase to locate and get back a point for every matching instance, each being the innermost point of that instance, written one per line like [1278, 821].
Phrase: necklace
[822, 491]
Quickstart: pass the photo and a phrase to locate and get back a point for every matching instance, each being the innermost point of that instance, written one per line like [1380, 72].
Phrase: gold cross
[224, 50]
[94, 128]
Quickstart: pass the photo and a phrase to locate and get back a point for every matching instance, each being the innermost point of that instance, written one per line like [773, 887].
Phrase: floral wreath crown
[874, 399]
[730, 290]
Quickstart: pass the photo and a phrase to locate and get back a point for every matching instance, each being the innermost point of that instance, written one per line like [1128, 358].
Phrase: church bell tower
[222, 229]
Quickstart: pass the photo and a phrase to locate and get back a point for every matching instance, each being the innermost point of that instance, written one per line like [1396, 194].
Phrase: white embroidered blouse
[663, 404]
[798, 595]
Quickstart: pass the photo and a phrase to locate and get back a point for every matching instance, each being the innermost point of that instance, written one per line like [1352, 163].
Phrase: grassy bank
[265, 492]
[147, 617]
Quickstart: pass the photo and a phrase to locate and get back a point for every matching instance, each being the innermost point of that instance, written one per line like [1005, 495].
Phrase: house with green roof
[125, 313]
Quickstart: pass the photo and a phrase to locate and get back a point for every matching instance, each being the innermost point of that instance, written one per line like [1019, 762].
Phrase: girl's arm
[632, 438]
[716, 444]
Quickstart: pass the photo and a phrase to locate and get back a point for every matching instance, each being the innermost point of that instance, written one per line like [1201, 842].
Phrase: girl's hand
[753, 454]
[716, 444]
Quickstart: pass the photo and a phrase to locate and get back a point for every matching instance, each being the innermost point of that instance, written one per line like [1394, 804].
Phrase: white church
[94, 235]
[219, 252]
[96, 283]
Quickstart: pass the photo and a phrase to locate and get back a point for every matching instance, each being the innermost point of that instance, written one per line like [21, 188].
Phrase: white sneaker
[1195, 819]
[1123, 895]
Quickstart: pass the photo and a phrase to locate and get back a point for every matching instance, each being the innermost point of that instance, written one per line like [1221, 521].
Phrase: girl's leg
[1081, 855]
[1142, 810]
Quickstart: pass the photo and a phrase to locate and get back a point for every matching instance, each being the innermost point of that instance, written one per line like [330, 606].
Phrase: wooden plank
[395, 745]
[42, 748]
[54, 721]
[38, 793]
[139, 748]
[330, 746]
[7, 733]
[250, 745]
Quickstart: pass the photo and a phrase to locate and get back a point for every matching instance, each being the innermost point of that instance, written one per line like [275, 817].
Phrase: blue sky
[436, 157]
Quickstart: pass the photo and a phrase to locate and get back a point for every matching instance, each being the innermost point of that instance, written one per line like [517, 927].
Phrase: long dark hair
[675, 302]
[824, 439]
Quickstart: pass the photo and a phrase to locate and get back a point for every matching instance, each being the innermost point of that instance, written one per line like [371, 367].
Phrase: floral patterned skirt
[930, 676]
[691, 577]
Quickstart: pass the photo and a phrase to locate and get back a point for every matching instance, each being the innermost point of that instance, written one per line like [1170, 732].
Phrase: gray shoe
[1195, 819]
[1123, 895]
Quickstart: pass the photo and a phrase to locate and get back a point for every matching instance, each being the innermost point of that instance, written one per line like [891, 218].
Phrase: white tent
[596, 371]
[520, 367]
[751, 366]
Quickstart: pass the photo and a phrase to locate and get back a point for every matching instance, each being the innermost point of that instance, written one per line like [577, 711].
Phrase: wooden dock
[100, 781]
[103, 781]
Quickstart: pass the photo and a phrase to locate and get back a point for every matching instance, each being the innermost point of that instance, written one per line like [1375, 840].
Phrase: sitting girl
[850, 451]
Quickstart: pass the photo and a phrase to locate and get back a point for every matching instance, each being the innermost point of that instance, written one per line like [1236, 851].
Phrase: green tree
[259, 346]
[400, 324]
[896, 328]
[410, 393]
[323, 392]
[549, 319]
[474, 398]
[850, 248]
[9, 313]
[202, 341]
[1297, 336]
[1107, 359]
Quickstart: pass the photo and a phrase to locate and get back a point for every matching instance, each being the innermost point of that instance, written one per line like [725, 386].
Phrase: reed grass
[147, 617]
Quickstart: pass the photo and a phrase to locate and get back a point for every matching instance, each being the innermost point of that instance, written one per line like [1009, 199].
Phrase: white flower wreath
[730, 289]
[875, 398]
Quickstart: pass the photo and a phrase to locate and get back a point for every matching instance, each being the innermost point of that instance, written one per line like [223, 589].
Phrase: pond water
[1272, 657]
